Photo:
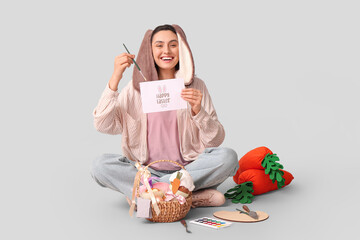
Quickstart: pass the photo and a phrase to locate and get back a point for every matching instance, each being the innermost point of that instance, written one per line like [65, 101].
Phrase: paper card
[143, 208]
[162, 95]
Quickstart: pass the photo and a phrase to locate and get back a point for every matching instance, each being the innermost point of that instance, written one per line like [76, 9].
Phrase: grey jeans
[212, 167]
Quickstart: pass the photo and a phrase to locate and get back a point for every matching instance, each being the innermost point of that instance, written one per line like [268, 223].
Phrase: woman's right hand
[121, 62]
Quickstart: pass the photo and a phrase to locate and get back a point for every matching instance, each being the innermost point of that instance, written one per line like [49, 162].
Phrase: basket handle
[157, 161]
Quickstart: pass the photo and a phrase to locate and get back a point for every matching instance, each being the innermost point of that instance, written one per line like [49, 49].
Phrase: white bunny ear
[186, 62]
[164, 88]
[159, 89]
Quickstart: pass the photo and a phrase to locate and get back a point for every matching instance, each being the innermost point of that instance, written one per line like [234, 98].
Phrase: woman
[188, 136]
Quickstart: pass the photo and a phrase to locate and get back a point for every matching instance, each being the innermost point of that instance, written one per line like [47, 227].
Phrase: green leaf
[233, 189]
[230, 196]
[279, 166]
[272, 168]
[243, 193]
[239, 197]
[281, 184]
[249, 184]
[272, 175]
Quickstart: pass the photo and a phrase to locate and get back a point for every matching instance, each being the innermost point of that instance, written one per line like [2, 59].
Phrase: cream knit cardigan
[122, 114]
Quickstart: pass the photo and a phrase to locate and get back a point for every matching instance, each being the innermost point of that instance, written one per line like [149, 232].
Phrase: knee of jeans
[97, 167]
[231, 161]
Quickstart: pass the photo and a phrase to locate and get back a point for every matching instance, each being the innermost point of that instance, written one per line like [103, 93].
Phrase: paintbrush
[135, 64]
[183, 222]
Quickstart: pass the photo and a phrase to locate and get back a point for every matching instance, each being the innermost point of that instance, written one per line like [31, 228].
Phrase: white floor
[66, 204]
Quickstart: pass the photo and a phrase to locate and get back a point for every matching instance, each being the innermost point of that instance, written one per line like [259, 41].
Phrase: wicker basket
[169, 211]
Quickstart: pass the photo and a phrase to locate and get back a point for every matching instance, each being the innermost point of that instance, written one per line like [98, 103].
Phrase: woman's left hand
[193, 97]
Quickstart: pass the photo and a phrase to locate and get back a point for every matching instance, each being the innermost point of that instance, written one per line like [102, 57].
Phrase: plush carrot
[175, 184]
[261, 182]
[261, 158]
[253, 159]
[261, 168]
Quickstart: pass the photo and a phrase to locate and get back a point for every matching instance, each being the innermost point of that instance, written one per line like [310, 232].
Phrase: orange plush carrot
[260, 167]
[175, 184]
[261, 182]
[253, 159]
[261, 158]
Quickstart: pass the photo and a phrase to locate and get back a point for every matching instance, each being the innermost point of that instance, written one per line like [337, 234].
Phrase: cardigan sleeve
[107, 114]
[211, 131]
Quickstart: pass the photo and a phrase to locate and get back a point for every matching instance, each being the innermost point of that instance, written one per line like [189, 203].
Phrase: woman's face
[165, 48]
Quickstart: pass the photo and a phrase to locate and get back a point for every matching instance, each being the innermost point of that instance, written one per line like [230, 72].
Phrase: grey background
[284, 74]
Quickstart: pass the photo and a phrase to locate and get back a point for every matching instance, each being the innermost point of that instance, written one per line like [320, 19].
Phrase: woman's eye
[159, 46]
[174, 45]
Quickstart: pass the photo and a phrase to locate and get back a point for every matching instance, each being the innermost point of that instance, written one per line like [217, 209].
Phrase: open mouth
[167, 59]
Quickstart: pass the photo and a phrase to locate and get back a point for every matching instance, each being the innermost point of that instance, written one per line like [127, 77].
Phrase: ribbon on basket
[145, 174]
[169, 195]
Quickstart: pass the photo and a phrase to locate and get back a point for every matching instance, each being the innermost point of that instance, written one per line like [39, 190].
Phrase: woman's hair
[165, 27]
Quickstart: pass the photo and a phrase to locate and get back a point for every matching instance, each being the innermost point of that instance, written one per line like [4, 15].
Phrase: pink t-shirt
[163, 140]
